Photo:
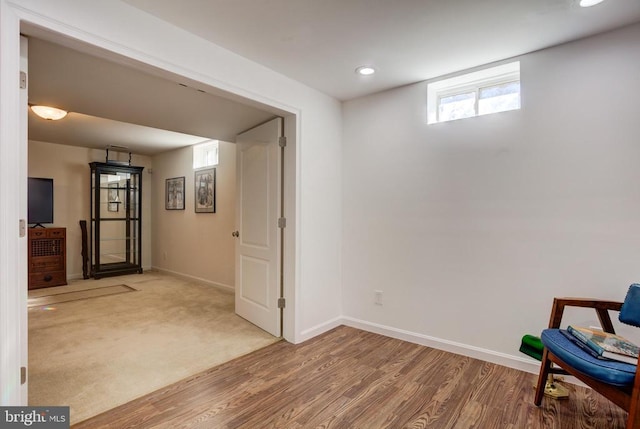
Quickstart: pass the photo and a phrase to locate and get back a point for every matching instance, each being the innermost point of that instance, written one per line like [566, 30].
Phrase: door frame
[13, 174]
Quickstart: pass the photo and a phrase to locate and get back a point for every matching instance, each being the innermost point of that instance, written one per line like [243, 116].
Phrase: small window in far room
[205, 154]
[492, 90]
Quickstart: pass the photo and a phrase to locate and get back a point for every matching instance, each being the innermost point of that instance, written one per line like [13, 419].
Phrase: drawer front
[37, 233]
[47, 232]
[47, 263]
[56, 278]
[56, 232]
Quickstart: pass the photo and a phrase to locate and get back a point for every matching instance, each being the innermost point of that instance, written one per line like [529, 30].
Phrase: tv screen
[40, 200]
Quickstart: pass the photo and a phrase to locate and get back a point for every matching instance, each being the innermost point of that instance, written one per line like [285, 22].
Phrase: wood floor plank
[327, 393]
[347, 378]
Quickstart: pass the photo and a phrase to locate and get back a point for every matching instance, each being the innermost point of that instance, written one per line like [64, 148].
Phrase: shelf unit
[116, 221]
[47, 257]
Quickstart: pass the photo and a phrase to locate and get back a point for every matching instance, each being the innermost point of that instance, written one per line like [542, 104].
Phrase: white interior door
[258, 241]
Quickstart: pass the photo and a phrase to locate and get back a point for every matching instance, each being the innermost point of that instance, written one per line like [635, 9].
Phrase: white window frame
[201, 151]
[469, 82]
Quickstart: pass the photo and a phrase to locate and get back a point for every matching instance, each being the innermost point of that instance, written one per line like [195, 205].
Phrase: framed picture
[112, 196]
[205, 188]
[174, 193]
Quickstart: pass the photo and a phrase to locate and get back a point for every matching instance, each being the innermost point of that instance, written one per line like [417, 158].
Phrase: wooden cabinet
[47, 257]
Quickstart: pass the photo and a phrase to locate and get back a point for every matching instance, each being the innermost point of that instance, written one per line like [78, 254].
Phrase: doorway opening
[157, 182]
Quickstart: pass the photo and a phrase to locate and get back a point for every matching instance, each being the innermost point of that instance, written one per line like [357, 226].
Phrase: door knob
[235, 234]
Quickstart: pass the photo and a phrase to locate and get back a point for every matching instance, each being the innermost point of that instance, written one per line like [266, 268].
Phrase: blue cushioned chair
[619, 382]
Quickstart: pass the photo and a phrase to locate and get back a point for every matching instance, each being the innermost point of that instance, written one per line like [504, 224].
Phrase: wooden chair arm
[602, 308]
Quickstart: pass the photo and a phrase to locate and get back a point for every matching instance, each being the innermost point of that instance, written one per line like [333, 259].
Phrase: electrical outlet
[164, 255]
[378, 297]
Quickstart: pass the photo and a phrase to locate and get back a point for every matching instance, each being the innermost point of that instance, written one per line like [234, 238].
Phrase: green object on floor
[532, 346]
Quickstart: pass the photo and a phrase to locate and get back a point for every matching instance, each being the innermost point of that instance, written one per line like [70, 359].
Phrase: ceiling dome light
[588, 3]
[49, 113]
[365, 70]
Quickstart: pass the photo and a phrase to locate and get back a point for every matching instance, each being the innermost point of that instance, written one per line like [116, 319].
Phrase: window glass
[499, 98]
[205, 154]
[457, 106]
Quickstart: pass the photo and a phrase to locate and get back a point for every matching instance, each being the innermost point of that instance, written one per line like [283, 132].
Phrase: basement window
[491, 90]
[205, 154]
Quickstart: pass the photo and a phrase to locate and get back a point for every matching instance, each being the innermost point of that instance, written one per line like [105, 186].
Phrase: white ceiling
[321, 42]
[111, 103]
[317, 42]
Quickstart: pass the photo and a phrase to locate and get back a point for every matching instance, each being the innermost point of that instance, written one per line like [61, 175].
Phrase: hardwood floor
[347, 378]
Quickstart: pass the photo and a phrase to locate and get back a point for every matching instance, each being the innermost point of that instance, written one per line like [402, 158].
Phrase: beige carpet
[56, 296]
[96, 353]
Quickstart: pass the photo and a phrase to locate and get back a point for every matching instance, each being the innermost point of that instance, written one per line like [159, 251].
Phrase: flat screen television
[40, 197]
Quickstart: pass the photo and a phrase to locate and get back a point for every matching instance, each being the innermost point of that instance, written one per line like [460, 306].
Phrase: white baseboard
[195, 279]
[511, 361]
[307, 334]
[75, 276]
[521, 363]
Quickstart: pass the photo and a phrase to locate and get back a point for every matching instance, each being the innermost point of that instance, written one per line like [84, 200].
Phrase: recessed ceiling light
[588, 3]
[365, 70]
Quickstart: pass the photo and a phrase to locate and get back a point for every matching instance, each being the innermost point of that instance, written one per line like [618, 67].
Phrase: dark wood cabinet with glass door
[116, 221]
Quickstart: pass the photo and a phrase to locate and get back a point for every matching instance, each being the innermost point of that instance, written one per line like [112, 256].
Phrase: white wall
[197, 245]
[124, 30]
[68, 166]
[312, 264]
[471, 227]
